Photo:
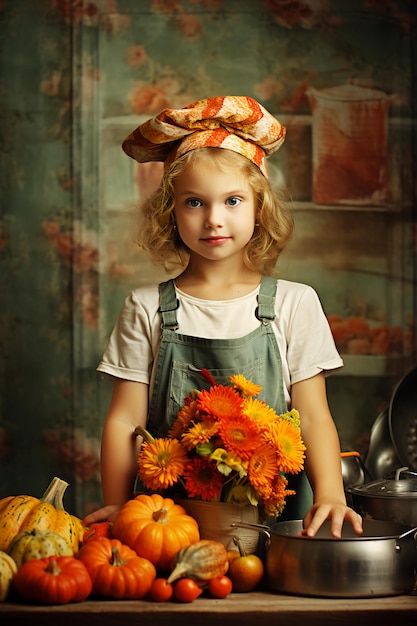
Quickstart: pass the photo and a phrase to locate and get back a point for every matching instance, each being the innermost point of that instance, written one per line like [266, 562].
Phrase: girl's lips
[215, 240]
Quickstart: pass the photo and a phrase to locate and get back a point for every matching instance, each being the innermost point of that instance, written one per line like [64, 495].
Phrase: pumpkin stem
[139, 430]
[59, 495]
[54, 489]
[160, 516]
[238, 543]
[117, 560]
[53, 568]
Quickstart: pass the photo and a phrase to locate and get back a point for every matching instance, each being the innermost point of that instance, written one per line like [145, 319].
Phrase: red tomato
[186, 590]
[220, 587]
[161, 590]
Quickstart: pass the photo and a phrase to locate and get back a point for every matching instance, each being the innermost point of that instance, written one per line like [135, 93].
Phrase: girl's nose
[213, 218]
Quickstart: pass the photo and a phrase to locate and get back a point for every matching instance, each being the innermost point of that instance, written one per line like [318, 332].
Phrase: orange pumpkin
[18, 513]
[155, 528]
[116, 570]
[53, 580]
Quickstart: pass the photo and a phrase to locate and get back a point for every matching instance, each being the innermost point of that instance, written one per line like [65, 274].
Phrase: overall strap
[168, 304]
[265, 311]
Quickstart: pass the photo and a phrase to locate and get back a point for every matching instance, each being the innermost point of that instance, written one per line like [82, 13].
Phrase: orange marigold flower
[202, 480]
[185, 416]
[262, 467]
[198, 433]
[161, 463]
[219, 402]
[290, 447]
[240, 435]
[246, 387]
[274, 500]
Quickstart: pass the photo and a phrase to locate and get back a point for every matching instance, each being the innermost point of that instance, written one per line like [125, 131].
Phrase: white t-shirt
[303, 334]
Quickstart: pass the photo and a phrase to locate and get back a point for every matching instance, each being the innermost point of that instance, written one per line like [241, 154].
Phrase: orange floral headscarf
[236, 123]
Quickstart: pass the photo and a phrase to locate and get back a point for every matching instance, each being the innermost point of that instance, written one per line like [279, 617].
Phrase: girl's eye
[233, 201]
[193, 203]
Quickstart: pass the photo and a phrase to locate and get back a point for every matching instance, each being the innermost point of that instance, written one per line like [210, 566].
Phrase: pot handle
[261, 527]
[408, 532]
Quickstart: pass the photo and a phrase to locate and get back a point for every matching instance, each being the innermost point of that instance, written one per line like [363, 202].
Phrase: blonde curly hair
[274, 223]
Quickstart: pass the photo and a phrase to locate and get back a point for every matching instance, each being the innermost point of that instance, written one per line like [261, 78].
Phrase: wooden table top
[236, 610]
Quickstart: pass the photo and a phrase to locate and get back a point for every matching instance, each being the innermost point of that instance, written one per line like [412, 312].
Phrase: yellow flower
[227, 462]
[161, 463]
[292, 416]
[290, 447]
[199, 433]
[259, 411]
[246, 387]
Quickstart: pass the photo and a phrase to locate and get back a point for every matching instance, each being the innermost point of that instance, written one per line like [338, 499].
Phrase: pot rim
[403, 531]
[366, 490]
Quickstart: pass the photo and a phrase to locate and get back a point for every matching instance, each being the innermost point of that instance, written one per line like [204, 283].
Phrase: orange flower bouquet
[226, 445]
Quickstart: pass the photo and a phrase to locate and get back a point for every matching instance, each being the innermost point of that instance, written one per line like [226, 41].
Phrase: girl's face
[214, 210]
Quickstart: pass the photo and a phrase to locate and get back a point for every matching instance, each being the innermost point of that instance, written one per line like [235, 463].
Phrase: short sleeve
[131, 348]
[310, 345]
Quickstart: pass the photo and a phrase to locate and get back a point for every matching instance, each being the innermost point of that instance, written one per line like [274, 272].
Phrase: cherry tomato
[161, 590]
[246, 572]
[186, 590]
[220, 587]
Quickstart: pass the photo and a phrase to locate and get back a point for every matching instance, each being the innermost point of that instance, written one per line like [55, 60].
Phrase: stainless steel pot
[393, 437]
[385, 499]
[353, 470]
[381, 562]
[381, 458]
[402, 419]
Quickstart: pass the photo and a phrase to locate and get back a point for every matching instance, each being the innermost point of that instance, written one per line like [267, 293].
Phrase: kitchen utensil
[381, 458]
[353, 471]
[402, 420]
[392, 500]
[381, 562]
[350, 132]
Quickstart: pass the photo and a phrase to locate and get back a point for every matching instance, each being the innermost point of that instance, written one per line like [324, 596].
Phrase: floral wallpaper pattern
[76, 76]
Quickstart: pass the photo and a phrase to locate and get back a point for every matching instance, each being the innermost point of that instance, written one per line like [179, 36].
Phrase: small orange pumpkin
[156, 528]
[53, 580]
[116, 570]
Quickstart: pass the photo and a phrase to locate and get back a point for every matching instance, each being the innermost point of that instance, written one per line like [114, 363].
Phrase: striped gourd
[23, 512]
[37, 544]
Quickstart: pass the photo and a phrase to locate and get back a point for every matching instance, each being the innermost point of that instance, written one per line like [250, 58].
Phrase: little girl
[216, 217]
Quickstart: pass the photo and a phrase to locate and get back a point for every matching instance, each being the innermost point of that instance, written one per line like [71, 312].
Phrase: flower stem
[139, 430]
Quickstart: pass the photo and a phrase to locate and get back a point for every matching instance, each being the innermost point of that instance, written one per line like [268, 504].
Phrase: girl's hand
[105, 514]
[337, 513]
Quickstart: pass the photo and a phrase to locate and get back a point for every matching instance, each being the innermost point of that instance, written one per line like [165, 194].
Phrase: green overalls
[256, 355]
